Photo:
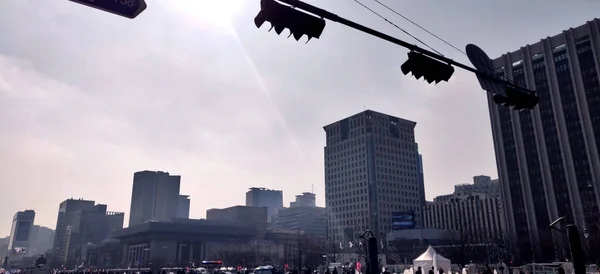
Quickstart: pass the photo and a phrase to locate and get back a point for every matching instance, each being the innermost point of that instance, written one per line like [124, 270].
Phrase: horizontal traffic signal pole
[335, 18]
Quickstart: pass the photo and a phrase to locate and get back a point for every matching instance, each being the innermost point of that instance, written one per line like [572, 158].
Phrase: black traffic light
[517, 98]
[430, 69]
[282, 16]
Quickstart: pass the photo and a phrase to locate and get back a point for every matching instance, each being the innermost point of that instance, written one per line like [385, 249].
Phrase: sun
[209, 11]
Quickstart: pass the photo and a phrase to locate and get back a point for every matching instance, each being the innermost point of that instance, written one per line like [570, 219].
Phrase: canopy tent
[431, 259]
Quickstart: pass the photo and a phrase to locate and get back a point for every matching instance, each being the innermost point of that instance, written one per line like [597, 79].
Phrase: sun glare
[210, 11]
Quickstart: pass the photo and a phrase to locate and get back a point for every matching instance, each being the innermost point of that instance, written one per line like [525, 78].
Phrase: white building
[371, 171]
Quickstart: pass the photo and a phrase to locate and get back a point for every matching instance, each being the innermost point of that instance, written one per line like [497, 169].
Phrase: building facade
[184, 207]
[271, 199]
[549, 158]
[253, 216]
[371, 171]
[155, 196]
[18, 241]
[41, 239]
[476, 218]
[306, 199]
[66, 218]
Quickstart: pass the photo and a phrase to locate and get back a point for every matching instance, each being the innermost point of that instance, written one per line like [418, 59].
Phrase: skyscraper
[66, 218]
[269, 198]
[548, 158]
[155, 196]
[183, 210]
[19, 233]
[371, 171]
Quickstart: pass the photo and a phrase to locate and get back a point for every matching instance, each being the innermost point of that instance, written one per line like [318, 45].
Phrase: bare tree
[334, 251]
[463, 245]
[402, 254]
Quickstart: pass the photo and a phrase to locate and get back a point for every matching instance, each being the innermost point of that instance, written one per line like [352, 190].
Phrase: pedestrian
[419, 271]
[432, 270]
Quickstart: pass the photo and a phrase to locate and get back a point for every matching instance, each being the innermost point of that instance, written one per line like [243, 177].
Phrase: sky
[193, 88]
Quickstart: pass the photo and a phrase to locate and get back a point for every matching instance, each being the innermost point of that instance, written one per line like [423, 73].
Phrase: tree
[334, 251]
[463, 245]
[402, 253]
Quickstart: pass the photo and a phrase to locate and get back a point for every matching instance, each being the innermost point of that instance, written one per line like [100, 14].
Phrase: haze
[193, 88]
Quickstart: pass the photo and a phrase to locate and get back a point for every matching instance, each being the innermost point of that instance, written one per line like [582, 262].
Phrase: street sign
[125, 8]
[485, 67]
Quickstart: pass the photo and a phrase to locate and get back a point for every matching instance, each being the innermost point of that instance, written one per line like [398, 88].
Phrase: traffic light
[282, 16]
[517, 98]
[430, 69]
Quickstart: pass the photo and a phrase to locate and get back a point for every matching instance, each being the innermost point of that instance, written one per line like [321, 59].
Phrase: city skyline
[79, 117]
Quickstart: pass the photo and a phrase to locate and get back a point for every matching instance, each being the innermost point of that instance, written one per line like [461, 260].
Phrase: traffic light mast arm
[335, 18]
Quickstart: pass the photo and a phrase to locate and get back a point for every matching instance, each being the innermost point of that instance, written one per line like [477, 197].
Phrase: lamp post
[577, 255]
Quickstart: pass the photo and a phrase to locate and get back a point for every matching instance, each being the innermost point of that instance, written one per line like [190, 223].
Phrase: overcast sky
[193, 88]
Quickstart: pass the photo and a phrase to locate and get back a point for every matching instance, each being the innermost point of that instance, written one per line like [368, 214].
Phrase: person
[488, 270]
[335, 270]
[441, 270]
[561, 269]
[432, 270]
[386, 271]
[327, 271]
[419, 271]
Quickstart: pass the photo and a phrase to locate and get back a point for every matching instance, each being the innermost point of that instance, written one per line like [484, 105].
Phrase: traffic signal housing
[282, 16]
[517, 98]
[430, 69]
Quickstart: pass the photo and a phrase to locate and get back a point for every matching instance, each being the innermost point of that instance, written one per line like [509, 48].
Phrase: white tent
[431, 259]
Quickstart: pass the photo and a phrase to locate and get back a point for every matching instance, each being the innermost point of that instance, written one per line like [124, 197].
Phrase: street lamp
[572, 233]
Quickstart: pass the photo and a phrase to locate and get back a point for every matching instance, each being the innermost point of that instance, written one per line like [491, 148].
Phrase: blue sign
[403, 220]
[126, 8]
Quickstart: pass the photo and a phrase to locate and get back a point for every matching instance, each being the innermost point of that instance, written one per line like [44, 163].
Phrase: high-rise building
[306, 199]
[271, 199]
[303, 215]
[66, 218]
[41, 239]
[183, 210]
[155, 196]
[19, 232]
[371, 172]
[549, 158]
[473, 212]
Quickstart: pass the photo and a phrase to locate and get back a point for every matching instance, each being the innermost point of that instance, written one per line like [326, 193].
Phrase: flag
[381, 243]
[350, 244]
[341, 245]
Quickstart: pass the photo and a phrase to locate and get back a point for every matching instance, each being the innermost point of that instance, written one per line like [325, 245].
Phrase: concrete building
[371, 171]
[90, 227]
[306, 199]
[477, 217]
[155, 196]
[18, 242]
[481, 184]
[271, 199]
[66, 218]
[41, 239]
[549, 158]
[184, 207]
[252, 216]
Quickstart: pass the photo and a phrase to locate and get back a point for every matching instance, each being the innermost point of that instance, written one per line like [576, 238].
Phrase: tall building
[371, 171]
[41, 239]
[19, 232]
[183, 210]
[66, 218]
[303, 215]
[473, 212]
[155, 196]
[271, 199]
[549, 158]
[306, 199]
[481, 184]
[91, 226]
